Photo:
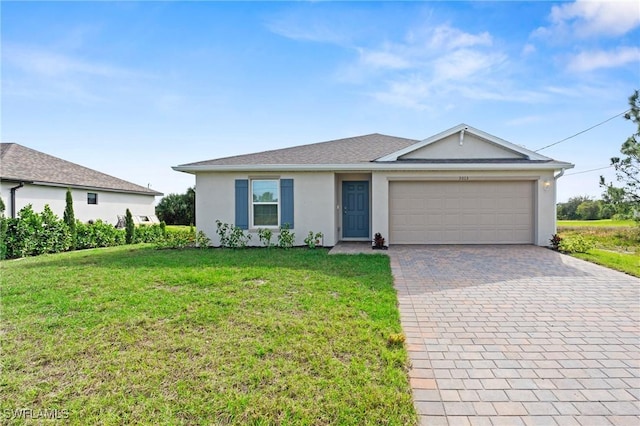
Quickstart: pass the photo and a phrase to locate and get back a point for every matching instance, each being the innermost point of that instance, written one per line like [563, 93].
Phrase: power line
[584, 131]
[587, 171]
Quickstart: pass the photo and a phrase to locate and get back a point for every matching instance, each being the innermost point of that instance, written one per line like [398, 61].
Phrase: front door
[355, 209]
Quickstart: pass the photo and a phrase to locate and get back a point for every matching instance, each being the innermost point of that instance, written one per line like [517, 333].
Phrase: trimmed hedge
[32, 234]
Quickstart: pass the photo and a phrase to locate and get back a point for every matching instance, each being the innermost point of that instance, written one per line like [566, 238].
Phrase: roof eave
[87, 187]
[368, 167]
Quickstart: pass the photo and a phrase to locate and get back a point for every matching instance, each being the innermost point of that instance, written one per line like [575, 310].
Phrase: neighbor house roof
[21, 164]
[372, 152]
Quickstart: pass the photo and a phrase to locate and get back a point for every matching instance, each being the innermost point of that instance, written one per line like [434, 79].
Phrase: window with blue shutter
[264, 203]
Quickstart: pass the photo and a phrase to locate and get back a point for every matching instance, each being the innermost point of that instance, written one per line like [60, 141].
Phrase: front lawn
[624, 262]
[132, 335]
[617, 243]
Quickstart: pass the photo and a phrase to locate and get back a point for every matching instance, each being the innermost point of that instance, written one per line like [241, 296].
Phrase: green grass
[617, 243]
[139, 336]
[606, 223]
[176, 228]
[624, 262]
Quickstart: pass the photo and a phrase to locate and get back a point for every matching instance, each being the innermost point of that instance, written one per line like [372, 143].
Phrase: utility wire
[587, 171]
[584, 131]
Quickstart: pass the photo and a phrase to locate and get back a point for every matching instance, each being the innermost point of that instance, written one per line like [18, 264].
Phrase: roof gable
[19, 163]
[465, 143]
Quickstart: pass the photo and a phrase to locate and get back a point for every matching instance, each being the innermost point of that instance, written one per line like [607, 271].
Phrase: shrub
[55, 236]
[149, 234]
[130, 228]
[98, 234]
[69, 218]
[177, 240]
[378, 241]
[286, 238]
[555, 241]
[202, 241]
[265, 236]
[576, 244]
[231, 236]
[312, 239]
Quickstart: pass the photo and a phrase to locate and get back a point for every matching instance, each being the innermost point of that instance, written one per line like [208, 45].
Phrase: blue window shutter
[242, 203]
[286, 202]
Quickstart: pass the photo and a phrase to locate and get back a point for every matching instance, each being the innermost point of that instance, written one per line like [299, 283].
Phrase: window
[264, 203]
[92, 198]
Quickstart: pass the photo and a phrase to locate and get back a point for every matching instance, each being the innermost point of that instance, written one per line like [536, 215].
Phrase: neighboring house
[461, 186]
[32, 177]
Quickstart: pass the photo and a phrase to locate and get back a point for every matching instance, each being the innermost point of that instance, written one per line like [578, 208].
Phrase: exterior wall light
[546, 185]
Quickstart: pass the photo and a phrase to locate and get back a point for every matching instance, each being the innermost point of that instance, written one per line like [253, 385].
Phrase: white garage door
[461, 212]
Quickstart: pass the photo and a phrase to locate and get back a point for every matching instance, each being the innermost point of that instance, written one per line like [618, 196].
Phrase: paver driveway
[518, 335]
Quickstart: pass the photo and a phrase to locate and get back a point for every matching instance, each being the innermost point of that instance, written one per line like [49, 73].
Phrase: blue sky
[132, 89]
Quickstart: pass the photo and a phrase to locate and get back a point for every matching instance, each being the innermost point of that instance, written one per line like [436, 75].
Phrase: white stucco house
[461, 186]
[32, 177]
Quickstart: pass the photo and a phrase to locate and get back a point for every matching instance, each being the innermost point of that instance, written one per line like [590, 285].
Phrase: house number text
[463, 178]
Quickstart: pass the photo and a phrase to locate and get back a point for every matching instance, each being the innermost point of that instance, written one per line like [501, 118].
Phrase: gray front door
[355, 209]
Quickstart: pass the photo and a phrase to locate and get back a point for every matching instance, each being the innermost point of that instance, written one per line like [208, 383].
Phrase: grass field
[132, 335]
[617, 243]
[604, 223]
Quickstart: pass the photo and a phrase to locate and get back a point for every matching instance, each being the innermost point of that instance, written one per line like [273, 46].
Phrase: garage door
[461, 212]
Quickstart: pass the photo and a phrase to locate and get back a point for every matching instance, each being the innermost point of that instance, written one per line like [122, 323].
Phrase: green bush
[69, 218]
[231, 236]
[265, 235]
[286, 238]
[129, 227]
[575, 244]
[313, 239]
[149, 234]
[177, 240]
[98, 234]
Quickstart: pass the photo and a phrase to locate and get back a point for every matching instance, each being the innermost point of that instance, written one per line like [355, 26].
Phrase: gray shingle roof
[20, 163]
[359, 149]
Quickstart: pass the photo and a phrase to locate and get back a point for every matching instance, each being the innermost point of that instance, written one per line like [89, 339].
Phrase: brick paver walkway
[518, 335]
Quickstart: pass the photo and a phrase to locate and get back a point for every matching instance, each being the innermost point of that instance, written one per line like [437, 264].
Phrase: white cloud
[39, 73]
[447, 37]
[528, 49]
[592, 60]
[384, 59]
[587, 18]
[464, 64]
[528, 119]
[52, 64]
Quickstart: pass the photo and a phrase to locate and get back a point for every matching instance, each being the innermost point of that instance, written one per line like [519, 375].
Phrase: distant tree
[616, 200]
[130, 228]
[70, 219]
[178, 209]
[628, 167]
[589, 210]
[569, 210]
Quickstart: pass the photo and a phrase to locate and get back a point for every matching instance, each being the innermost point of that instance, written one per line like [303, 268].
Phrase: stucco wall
[317, 199]
[544, 202]
[313, 203]
[110, 204]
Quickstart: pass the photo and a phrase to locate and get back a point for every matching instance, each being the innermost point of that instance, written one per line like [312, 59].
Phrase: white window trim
[252, 225]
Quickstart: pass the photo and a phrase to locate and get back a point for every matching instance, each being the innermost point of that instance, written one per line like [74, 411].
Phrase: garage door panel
[461, 212]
